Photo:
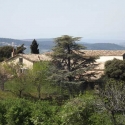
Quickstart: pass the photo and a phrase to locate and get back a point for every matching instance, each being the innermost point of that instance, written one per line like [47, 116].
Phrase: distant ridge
[8, 41]
[103, 46]
[47, 44]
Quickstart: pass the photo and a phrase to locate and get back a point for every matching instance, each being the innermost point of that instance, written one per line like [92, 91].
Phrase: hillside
[103, 46]
[47, 44]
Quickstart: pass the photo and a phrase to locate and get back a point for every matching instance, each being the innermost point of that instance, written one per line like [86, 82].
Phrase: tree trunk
[20, 93]
[69, 63]
[39, 91]
[113, 118]
[2, 85]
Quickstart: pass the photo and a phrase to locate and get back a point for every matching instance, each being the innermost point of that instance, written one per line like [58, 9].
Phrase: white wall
[26, 63]
[101, 61]
[106, 58]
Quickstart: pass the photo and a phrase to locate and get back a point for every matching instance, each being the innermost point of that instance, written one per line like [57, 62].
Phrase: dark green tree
[34, 47]
[5, 52]
[20, 49]
[71, 64]
[115, 69]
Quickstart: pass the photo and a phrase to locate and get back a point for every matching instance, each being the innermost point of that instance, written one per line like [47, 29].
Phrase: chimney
[12, 53]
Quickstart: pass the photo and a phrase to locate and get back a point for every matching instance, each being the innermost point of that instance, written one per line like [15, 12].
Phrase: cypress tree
[34, 47]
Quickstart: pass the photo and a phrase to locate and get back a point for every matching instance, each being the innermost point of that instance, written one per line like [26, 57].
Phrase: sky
[90, 19]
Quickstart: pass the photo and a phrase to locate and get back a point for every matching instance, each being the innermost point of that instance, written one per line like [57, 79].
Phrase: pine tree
[71, 65]
[34, 47]
[20, 49]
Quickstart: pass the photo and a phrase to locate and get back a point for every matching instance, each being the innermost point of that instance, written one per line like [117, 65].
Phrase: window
[20, 71]
[20, 60]
[23, 70]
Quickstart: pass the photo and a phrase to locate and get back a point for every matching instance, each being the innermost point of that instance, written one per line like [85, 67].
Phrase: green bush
[100, 118]
[77, 111]
[25, 112]
[84, 110]
[19, 113]
[3, 111]
[44, 113]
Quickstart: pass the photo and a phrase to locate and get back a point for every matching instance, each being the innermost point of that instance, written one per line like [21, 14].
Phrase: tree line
[6, 51]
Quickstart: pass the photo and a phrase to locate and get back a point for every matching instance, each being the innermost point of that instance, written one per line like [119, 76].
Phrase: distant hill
[48, 44]
[103, 46]
[9, 41]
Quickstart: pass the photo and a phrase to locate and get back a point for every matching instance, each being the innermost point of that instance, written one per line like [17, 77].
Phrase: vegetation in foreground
[87, 109]
[33, 98]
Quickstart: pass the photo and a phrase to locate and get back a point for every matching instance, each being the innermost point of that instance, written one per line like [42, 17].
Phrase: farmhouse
[102, 57]
[27, 60]
[105, 55]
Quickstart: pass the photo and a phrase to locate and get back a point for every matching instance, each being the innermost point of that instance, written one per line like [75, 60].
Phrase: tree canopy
[39, 76]
[70, 62]
[20, 49]
[115, 69]
[5, 52]
[34, 47]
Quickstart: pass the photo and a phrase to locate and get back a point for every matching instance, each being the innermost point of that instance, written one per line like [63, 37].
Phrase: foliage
[18, 83]
[70, 64]
[115, 69]
[19, 113]
[39, 76]
[32, 81]
[100, 118]
[24, 112]
[113, 97]
[5, 52]
[34, 47]
[44, 114]
[20, 49]
[5, 75]
[3, 111]
[84, 110]
[77, 110]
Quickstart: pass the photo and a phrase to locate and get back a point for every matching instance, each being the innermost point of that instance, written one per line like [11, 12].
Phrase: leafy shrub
[3, 111]
[19, 113]
[25, 112]
[82, 110]
[85, 110]
[100, 118]
[77, 111]
[44, 113]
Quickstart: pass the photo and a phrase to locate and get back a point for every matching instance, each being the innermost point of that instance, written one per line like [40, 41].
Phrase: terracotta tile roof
[32, 57]
[103, 52]
[36, 57]
[47, 57]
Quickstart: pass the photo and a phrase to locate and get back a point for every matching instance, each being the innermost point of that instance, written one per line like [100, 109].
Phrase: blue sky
[90, 19]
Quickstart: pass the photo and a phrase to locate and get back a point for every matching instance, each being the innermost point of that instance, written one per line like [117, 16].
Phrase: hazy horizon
[82, 40]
